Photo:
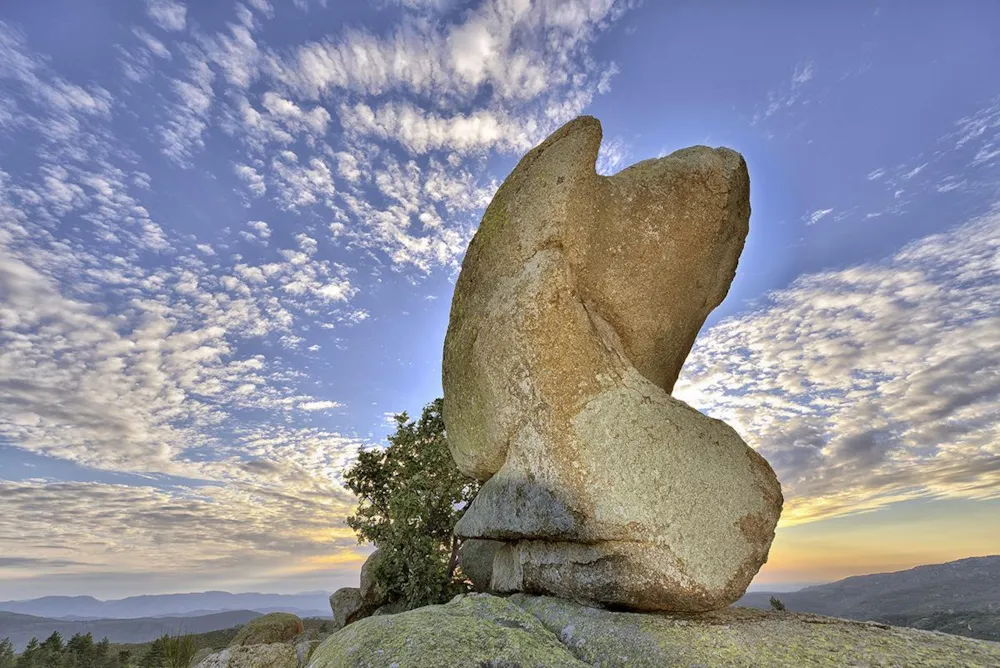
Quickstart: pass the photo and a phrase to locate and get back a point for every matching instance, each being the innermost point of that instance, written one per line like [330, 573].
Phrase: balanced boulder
[578, 301]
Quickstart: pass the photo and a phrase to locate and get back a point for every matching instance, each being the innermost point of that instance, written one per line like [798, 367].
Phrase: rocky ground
[523, 631]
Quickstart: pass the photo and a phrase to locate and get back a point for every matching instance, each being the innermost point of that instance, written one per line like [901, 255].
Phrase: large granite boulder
[475, 558]
[372, 593]
[578, 300]
[347, 605]
[533, 632]
[350, 604]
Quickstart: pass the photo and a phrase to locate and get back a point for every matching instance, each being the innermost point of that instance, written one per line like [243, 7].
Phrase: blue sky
[229, 234]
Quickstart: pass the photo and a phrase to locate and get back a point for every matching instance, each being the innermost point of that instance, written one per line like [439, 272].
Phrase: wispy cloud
[139, 341]
[816, 216]
[872, 384]
[168, 14]
[788, 94]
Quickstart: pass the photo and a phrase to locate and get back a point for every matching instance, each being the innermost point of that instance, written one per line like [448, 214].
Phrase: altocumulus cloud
[873, 384]
[170, 354]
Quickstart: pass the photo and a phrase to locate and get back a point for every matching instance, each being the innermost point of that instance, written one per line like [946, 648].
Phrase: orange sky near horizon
[894, 538]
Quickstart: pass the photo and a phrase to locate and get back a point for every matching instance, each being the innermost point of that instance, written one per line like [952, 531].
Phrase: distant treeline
[82, 652]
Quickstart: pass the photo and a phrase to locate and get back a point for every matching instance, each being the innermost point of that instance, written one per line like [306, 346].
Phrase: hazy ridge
[22, 628]
[166, 605]
[961, 597]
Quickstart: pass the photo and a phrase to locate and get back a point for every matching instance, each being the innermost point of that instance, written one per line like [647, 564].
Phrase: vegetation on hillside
[411, 495]
[165, 652]
[80, 651]
[980, 624]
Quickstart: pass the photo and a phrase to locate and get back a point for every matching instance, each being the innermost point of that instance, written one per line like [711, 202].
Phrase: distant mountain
[960, 597]
[22, 628]
[167, 605]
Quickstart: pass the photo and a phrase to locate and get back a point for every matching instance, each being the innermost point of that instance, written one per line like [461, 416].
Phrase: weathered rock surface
[475, 557]
[346, 604]
[350, 604]
[476, 630]
[253, 656]
[579, 298]
[530, 631]
[275, 627]
[372, 593]
[275, 640]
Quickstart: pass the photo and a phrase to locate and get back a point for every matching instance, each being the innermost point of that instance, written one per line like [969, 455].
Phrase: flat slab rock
[525, 631]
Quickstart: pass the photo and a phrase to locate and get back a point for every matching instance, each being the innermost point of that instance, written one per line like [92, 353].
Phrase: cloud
[319, 405]
[253, 179]
[817, 216]
[789, 94]
[160, 337]
[420, 131]
[168, 14]
[613, 156]
[489, 45]
[183, 132]
[872, 384]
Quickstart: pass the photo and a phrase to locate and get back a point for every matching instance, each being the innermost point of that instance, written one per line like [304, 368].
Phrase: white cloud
[255, 182]
[817, 216]
[261, 228]
[155, 46]
[291, 115]
[872, 384]
[347, 166]
[420, 131]
[613, 156]
[789, 94]
[168, 14]
[519, 48]
[131, 348]
[183, 132]
[803, 73]
[319, 405]
[913, 172]
[302, 185]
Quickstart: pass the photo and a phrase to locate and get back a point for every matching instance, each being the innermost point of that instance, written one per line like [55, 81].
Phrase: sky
[230, 231]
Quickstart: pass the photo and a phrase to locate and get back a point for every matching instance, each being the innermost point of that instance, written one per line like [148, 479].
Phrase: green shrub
[411, 494]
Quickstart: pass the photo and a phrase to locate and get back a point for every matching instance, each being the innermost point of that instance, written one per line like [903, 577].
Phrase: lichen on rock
[471, 630]
[525, 631]
[274, 627]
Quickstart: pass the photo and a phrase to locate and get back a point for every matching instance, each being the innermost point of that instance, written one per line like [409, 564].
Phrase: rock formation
[275, 640]
[350, 604]
[475, 558]
[578, 300]
[522, 630]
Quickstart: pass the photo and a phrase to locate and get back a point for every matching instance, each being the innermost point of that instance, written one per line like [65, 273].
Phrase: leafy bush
[776, 604]
[411, 495]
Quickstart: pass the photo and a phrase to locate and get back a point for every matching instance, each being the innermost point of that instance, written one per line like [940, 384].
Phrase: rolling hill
[961, 597]
[21, 628]
[166, 605]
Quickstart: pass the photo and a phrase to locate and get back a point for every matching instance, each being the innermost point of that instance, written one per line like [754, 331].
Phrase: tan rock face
[578, 301]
